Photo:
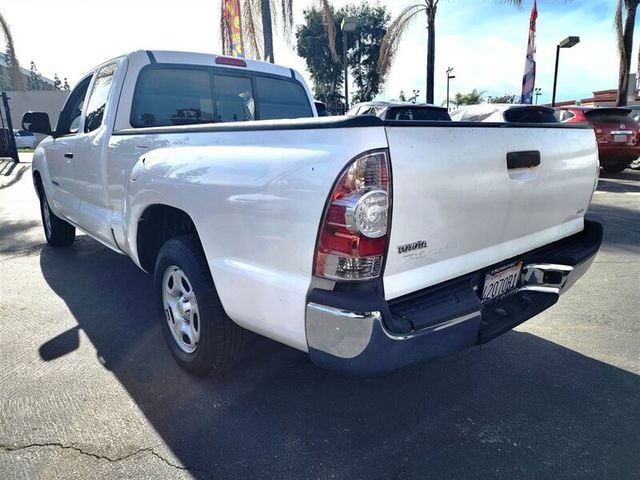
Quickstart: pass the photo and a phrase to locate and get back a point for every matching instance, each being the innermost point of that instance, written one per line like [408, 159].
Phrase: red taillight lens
[353, 235]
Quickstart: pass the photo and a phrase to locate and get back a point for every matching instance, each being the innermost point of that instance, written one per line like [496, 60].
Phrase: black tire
[221, 341]
[615, 167]
[57, 232]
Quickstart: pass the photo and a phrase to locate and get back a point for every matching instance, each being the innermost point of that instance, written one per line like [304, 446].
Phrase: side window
[172, 96]
[69, 120]
[234, 99]
[98, 98]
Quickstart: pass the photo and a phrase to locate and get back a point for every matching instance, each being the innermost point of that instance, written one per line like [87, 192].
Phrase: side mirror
[36, 122]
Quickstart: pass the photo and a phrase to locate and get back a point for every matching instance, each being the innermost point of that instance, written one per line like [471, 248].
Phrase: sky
[483, 40]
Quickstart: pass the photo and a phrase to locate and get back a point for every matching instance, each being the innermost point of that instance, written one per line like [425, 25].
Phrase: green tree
[472, 98]
[17, 82]
[312, 44]
[57, 84]
[625, 24]
[327, 75]
[399, 26]
[364, 51]
[506, 98]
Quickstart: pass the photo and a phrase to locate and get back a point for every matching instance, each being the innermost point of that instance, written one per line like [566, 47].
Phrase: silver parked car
[401, 111]
[505, 112]
[24, 139]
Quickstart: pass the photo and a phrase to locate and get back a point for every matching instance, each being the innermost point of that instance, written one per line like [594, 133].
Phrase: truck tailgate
[458, 207]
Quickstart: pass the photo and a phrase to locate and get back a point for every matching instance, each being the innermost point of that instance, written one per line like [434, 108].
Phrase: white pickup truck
[369, 244]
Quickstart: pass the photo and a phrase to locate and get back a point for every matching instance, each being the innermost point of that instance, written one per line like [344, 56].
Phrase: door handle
[524, 159]
[68, 155]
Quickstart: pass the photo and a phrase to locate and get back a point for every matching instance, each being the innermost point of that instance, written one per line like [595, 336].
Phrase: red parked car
[618, 135]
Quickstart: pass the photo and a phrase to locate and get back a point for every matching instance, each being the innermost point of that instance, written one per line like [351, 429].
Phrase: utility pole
[449, 77]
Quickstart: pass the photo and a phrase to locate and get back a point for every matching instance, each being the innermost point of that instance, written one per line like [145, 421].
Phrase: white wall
[35, 101]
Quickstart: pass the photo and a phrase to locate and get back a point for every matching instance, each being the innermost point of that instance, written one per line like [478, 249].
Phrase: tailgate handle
[524, 159]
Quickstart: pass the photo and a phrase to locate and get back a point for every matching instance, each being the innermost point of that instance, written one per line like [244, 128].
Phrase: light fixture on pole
[537, 92]
[349, 24]
[566, 43]
[449, 77]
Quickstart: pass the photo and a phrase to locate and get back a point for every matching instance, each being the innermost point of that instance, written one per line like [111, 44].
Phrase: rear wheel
[202, 338]
[57, 232]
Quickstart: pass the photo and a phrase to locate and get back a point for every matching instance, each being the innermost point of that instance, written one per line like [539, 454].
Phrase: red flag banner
[232, 27]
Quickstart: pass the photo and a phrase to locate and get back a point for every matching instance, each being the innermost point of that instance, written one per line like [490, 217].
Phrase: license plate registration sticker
[501, 282]
[619, 138]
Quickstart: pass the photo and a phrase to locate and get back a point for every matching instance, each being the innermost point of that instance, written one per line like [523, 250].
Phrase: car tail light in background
[355, 227]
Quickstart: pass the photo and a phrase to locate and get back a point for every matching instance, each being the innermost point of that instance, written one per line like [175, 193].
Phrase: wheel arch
[37, 182]
[157, 224]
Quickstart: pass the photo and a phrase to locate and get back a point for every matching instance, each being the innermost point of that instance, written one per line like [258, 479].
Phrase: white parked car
[369, 244]
[24, 138]
[505, 112]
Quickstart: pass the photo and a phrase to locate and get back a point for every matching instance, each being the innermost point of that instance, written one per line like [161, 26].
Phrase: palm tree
[472, 98]
[18, 81]
[625, 45]
[258, 19]
[400, 25]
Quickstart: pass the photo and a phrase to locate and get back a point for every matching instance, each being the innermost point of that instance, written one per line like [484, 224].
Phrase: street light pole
[566, 43]
[349, 24]
[449, 77]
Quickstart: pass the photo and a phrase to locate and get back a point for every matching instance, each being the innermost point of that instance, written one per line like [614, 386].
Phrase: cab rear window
[183, 95]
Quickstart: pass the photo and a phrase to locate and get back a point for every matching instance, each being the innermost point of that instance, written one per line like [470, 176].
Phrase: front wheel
[202, 338]
[57, 232]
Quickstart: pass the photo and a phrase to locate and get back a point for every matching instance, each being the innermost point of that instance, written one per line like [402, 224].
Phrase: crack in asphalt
[9, 448]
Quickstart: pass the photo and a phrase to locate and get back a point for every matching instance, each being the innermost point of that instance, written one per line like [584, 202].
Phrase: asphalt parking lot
[89, 390]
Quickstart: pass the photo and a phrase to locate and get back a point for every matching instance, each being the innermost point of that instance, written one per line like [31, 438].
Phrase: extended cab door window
[98, 98]
[69, 120]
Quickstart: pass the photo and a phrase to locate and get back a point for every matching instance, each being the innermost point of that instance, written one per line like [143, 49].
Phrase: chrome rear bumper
[344, 335]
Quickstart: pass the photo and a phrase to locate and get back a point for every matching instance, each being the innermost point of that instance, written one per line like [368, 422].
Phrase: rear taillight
[355, 227]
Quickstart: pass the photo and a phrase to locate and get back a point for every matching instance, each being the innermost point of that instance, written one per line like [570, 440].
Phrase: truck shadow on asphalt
[515, 406]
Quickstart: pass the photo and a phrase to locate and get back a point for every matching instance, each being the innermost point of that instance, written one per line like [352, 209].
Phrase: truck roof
[209, 59]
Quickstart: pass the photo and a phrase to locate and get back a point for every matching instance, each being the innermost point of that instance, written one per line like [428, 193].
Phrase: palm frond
[251, 30]
[398, 27]
[18, 81]
[224, 32]
[285, 15]
[329, 25]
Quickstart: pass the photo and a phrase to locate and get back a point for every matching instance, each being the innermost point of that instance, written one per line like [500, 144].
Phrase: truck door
[60, 155]
[90, 167]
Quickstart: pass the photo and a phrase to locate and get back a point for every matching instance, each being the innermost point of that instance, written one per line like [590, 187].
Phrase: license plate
[620, 138]
[501, 282]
